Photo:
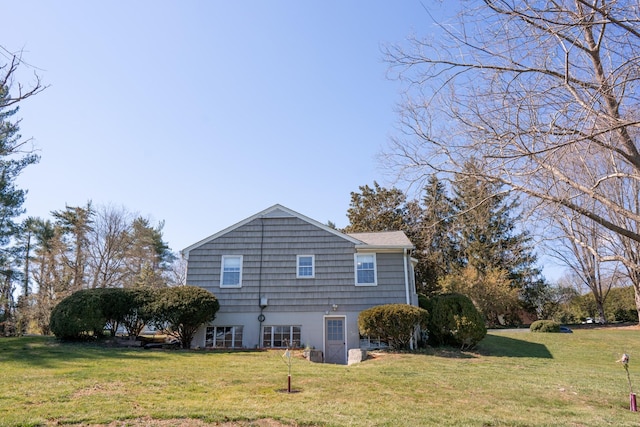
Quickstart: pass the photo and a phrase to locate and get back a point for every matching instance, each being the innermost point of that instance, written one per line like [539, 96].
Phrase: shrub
[112, 301]
[139, 309]
[621, 305]
[129, 307]
[454, 320]
[79, 316]
[544, 326]
[182, 309]
[393, 323]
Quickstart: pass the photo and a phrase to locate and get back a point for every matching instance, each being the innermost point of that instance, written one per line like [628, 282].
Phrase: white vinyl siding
[305, 267]
[231, 276]
[365, 268]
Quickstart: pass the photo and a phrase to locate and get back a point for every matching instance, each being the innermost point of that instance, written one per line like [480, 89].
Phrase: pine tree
[486, 236]
[11, 164]
[12, 161]
[148, 256]
[434, 246]
[76, 223]
[376, 209]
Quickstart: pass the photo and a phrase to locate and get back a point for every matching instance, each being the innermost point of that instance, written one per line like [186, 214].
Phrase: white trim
[375, 269]
[234, 330]
[313, 266]
[344, 331]
[222, 285]
[380, 249]
[289, 340]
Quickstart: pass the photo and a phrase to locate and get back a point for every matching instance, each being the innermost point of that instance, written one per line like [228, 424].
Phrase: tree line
[471, 238]
[467, 240]
[85, 247]
[525, 102]
[544, 96]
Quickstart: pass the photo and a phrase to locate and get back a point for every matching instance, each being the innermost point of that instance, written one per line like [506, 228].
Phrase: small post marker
[287, 359]
[287, 356]
[633, 407]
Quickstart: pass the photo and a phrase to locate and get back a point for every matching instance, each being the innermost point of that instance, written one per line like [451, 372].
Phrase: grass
[512, 379]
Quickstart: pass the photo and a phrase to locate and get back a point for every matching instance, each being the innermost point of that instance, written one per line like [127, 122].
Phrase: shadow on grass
[49, 352]
[501, 346]
[492, 345]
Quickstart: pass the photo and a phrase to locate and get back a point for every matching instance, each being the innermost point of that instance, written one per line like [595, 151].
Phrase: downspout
[406, 276]
[261, 316]
[406, 287]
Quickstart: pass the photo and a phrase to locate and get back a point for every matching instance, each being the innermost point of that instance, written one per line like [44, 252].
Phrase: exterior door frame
[325, 337]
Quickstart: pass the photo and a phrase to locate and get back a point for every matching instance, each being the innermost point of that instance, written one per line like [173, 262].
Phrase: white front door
[335, 348]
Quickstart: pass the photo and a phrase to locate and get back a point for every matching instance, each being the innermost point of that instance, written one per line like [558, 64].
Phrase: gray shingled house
[283, 278]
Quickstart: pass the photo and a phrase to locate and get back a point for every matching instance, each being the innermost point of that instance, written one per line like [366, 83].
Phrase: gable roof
[275, 211]
[375, 240]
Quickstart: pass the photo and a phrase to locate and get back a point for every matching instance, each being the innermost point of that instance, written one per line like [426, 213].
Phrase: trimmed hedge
[181, 310]
[127, 307]
[393, 323]
[455, 321]
[79, 316]
[545, 326]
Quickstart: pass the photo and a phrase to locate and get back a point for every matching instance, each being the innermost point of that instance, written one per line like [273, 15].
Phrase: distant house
[282, 278]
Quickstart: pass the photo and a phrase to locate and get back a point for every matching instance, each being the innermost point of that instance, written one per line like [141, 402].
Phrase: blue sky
[202, 113]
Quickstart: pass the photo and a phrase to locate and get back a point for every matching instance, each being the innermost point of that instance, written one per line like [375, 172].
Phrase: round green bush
[79, 316]
[393, 323]
[182, 309]
[127, 307]
[455, 321]
[545, 326]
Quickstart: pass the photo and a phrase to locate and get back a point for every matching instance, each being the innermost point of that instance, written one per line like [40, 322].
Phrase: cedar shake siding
[269, 244]
[269, 247]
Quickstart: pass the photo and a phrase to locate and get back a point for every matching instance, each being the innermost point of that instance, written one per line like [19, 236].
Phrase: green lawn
[513, 379]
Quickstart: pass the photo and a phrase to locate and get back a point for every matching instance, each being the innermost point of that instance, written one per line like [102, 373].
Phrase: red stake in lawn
[632, 396]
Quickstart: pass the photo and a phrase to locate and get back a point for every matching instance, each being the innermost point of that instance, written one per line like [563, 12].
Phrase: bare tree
[626, 250]
[109, 240]
[545, 93]
[585, 247]
[7, 78]
[176, 275]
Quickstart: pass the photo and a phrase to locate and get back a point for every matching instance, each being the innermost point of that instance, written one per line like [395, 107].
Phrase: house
[285, 279]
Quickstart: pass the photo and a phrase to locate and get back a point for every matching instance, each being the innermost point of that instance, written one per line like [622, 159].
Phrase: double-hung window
[365, 266]
[231, 276]
[305, 267]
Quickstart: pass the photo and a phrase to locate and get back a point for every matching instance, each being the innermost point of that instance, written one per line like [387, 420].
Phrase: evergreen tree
[487, 239]
[11, 165]
[434, 245]
[426, 225]
[50, 274]
[148, 256]
[376, 209]
[76, 223]
[14, 157]
[485, 231]
[12, 154]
